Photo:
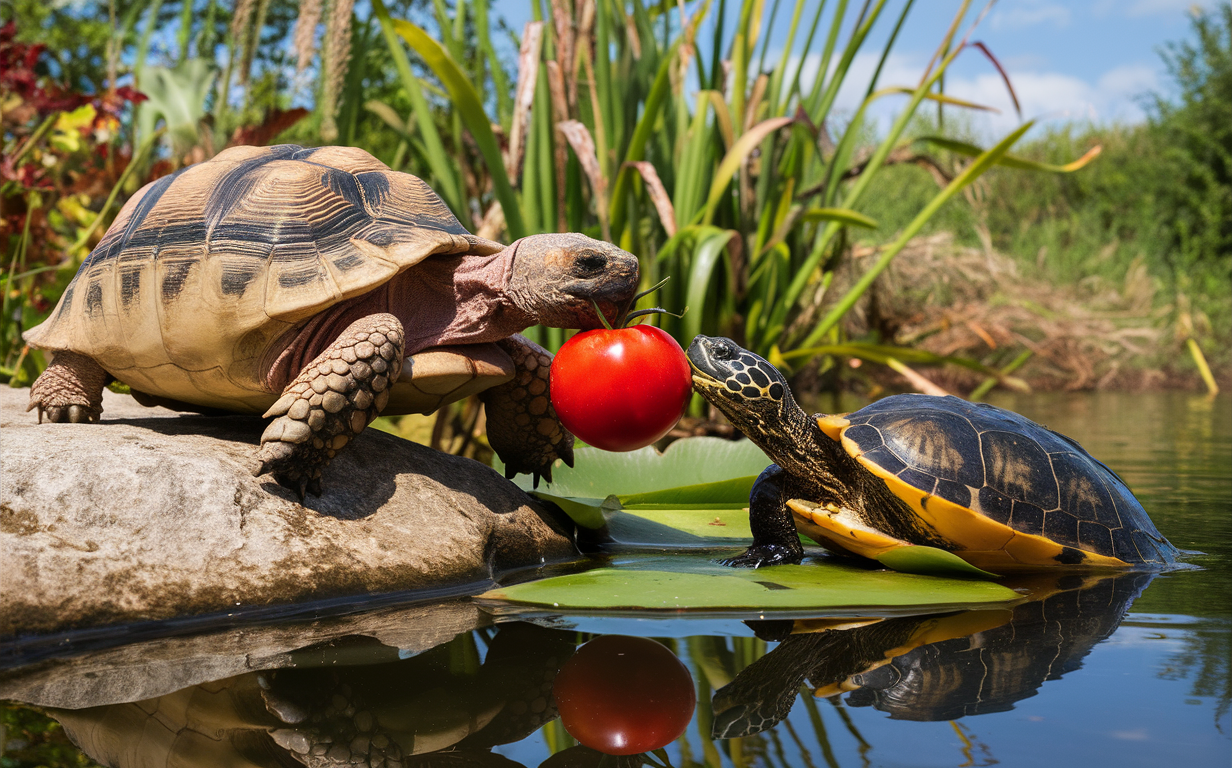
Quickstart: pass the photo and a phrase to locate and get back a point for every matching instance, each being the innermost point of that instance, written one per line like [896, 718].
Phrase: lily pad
[692, 461]
[930, 560]
[722, 493]
[679, 584]
[708, 527]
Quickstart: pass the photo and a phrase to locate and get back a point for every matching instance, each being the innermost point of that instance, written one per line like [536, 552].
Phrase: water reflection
[939, 667]
[354, 702]
[467, 688]
[383, 715]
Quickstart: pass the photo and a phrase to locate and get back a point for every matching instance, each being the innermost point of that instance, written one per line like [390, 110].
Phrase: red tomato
[624, 695]
[620, 389]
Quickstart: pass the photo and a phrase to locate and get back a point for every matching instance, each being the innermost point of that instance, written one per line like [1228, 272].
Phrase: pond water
[1125, 670]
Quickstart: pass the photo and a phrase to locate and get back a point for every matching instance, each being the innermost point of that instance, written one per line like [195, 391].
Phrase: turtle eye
[723, 352]
[590, 264]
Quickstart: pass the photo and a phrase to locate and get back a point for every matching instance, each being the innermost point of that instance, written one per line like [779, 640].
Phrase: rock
[145, 669]
[153, 515]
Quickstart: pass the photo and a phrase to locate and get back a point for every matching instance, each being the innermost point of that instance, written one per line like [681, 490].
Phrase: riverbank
[975, 303]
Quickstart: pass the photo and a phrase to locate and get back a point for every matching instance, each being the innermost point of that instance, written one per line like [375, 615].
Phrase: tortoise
[996, 489]
[321, 288]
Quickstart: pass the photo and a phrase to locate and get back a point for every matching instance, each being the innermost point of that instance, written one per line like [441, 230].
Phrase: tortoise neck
[443, 300]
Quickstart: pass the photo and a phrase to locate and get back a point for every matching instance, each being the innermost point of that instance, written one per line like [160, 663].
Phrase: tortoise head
[558, 278]
[746, 388]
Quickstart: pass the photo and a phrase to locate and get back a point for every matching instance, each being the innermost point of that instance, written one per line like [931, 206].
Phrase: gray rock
[153, 515]
[150, 668]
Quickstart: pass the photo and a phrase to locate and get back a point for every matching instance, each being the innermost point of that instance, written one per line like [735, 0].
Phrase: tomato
[624, 695]
[620, 389]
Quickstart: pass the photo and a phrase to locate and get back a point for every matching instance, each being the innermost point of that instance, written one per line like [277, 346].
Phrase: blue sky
[1085, 60]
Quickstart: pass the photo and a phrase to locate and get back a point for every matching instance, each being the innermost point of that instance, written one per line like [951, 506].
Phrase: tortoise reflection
[937, 667]
[383, 714]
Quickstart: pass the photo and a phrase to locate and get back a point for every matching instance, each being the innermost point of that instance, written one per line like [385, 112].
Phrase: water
[1129, 670]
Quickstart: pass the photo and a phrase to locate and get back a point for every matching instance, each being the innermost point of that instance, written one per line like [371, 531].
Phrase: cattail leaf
[735, 158]
[658, 195]
[1013, 161]
[528, 73]
[466, 101]
[444, 171]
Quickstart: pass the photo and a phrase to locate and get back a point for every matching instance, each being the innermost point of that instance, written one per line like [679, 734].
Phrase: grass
[714, 161]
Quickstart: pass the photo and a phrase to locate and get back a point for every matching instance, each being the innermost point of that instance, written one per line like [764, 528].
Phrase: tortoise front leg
[330, 402]
[70, 390]
[775, 541]
[522, 425]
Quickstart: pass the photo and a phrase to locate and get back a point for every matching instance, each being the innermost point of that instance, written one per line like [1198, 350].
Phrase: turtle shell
[204, 269]
[1005, 491]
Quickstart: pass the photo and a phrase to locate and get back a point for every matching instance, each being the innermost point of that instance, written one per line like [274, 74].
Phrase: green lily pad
[678, 584]
[692, 461]
[722, 493]
[930, 560]
[681, 527]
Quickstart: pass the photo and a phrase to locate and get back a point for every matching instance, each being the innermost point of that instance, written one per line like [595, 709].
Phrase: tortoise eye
[723, 352]
[590, 263]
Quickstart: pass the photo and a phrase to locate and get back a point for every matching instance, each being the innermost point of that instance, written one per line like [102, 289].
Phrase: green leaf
[711, 245]
[720, 493]
[930, 560]
[690, 583]
[736, 156]
[597, 474]
[696, 527]
[970, 174]
[1013, 161]
[442, 169]
[655, 99]
[468, 104]
[587, 513]
[841, 215]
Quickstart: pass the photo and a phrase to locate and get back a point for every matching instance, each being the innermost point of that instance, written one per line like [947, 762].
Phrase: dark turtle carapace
[994, 488]
[319, 287]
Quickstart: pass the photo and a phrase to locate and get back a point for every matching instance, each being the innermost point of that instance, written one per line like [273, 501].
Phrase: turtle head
[746, 388]
[559, 278]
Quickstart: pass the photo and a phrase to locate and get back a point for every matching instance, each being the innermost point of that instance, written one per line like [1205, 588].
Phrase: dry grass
[974, 303]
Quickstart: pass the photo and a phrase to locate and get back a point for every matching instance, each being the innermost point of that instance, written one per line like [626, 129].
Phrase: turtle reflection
[938, 667]
[387, 714]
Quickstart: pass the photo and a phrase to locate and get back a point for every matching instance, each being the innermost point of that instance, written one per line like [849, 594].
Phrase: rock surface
[159, 666]
[153, 515]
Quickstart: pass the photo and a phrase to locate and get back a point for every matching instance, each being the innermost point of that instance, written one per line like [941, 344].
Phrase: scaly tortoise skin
[994, 488]
[320, 287]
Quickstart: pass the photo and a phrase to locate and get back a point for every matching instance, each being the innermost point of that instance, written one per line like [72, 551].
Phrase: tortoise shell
[1004, 490]
[204, 269]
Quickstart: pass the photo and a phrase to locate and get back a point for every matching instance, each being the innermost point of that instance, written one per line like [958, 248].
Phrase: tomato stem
[603, 317]
[651, 311]
[650, 290]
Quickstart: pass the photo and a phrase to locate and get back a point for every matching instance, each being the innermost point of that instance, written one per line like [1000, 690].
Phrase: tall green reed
[737, 179]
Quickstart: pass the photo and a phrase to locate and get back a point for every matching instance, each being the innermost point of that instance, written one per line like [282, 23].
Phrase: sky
[1084, 60]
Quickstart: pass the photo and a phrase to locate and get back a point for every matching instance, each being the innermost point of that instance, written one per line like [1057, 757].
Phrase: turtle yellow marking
[833, 425]
[929, 631]
[829, 524]
[979, 540]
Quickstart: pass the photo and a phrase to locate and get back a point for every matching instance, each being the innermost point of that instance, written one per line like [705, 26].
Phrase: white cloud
[1129, 81]
[1152, 7]
[1043, 95]
[1028, 13]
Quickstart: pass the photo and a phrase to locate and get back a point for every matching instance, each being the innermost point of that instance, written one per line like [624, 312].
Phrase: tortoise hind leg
[522, 425]
[70, 390]
[330, 402]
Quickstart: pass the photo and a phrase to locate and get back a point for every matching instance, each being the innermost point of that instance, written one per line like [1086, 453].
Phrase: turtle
[994, 488]
[320, 288]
